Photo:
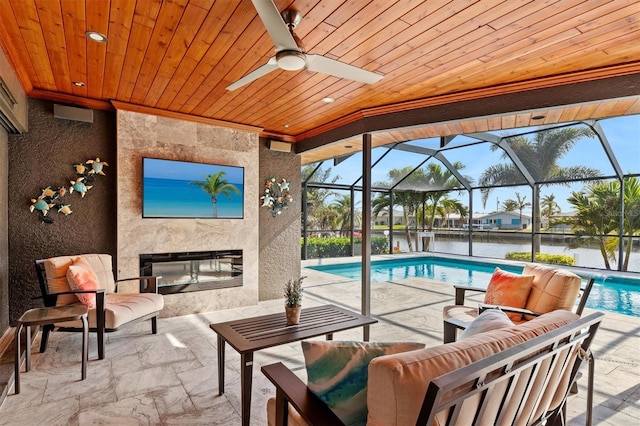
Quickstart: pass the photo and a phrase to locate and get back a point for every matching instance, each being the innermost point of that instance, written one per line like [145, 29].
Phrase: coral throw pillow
[337, 372]
[81, 276]
[489, 320]
[509, 289]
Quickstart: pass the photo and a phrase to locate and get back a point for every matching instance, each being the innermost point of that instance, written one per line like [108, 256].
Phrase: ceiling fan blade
[339, 69]
[275, 25]
[265, 69]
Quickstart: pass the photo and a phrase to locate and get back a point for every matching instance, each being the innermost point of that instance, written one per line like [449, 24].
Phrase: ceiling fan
[290, 55]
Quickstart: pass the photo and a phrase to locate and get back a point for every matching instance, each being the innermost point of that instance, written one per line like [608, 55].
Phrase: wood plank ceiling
[178, 56]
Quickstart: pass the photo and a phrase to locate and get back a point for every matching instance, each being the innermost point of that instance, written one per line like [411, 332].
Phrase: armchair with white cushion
[538, 290]
[88, 280]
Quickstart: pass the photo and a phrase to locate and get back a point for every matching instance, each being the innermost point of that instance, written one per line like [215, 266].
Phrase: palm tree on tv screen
[214, 185]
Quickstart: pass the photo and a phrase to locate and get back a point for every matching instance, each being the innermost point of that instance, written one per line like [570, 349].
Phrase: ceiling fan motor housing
[290, 60]
[291, 17]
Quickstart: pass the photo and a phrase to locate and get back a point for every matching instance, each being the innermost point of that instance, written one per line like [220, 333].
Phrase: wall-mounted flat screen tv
[181, 189]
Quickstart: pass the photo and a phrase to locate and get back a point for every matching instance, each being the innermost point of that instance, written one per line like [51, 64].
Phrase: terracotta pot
[293, 315]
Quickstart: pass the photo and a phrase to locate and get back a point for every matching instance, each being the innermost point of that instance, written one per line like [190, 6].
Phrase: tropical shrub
[554, 259]
[318, 247]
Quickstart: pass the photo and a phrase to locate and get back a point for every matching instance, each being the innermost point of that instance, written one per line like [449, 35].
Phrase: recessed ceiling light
[328, 100]
[95, 36]
[78, 83]
[286, 126]
[409, 134]
[538, 117]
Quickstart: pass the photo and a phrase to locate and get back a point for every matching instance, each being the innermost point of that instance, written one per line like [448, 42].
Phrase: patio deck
[171, 378]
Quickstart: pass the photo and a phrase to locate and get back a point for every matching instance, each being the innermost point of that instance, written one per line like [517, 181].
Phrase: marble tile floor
[171, 378]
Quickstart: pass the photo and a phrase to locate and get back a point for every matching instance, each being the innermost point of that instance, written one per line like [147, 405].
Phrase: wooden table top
[255, 333]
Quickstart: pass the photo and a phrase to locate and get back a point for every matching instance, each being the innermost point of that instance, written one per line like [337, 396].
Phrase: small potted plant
[293, 300]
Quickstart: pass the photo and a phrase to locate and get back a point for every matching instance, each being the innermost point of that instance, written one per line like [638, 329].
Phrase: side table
[44, 316]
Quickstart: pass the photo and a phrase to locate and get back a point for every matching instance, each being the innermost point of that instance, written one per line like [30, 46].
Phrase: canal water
[588, 257]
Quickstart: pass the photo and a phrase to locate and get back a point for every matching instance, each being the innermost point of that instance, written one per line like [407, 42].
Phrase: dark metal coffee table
[252, 334]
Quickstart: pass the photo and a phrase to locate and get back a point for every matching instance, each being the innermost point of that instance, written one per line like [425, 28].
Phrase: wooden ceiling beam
[182, 116]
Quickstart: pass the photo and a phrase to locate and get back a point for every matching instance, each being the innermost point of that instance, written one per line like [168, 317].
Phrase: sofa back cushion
[405, 377]
[56, 271]
[552, 288]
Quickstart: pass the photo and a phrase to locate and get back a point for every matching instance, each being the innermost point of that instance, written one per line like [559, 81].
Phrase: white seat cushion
[122, 308]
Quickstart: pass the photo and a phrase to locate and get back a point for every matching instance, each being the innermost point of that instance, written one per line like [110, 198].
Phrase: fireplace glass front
[193, 271]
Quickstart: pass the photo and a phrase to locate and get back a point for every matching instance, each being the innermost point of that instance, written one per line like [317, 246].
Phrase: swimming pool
[614, 294]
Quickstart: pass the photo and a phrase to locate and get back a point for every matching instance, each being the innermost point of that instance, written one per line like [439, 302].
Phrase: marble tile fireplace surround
[143, 135]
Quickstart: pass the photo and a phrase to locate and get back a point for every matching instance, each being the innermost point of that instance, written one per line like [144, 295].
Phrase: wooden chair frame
[493, 378]
[147, 285]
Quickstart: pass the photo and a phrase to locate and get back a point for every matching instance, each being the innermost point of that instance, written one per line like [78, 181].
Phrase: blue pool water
[614, 294]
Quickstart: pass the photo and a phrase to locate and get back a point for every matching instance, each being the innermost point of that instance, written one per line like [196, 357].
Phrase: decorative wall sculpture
[276, 195]
[51, 199]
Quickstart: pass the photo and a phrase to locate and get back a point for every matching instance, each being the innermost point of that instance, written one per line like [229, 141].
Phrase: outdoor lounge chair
[552, 288]
[112, 310]
[520, 375]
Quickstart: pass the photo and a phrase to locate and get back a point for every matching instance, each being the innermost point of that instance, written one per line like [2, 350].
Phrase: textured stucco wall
[45, 156]
[279, 236]
[142, 135]
[4, 232]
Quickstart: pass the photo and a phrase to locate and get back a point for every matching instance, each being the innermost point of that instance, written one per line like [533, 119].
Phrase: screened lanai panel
[596, 224]
[564, 153]
[555, 209]
[500, 208]
[431, 143]
[459, 141]
[480, 158]
[431, 176]
[623, 134]
[395, 166]
[345, 170]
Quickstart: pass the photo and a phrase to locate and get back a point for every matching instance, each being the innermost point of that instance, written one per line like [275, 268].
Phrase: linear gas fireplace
[193, 271]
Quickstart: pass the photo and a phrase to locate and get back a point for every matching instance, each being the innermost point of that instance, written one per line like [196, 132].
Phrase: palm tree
[509, 205]
[540, 155]
[549, 207]
[518, 204]
[214, 185]
[631, 219]
[438, 177]
[342, 208]
[409, 200]
[409, 203]
[451, 205]
[319, 214]
[596, 218]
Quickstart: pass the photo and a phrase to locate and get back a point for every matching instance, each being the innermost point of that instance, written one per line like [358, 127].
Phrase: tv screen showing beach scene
[180, 189]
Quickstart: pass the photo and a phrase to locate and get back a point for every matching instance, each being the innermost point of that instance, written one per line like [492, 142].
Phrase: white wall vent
[7, 102]
[279, 146]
